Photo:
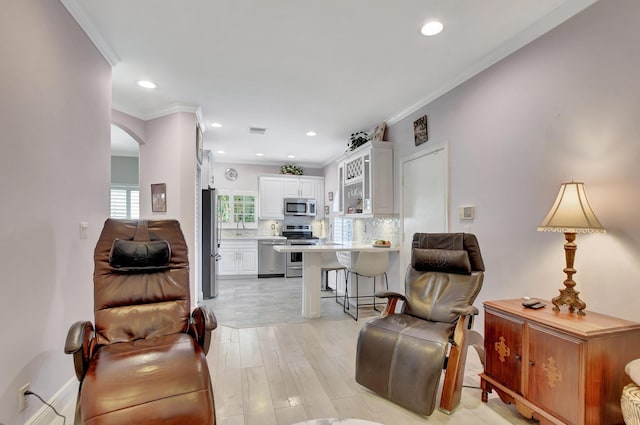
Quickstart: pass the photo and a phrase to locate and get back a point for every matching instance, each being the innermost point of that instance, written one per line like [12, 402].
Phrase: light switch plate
[467, 212]
[84, 228]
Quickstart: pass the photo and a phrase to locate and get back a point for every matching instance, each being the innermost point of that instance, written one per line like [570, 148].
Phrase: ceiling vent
[257, 130]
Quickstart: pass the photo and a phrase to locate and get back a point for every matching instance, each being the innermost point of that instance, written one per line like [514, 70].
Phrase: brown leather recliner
[401, 356]
[144, 363]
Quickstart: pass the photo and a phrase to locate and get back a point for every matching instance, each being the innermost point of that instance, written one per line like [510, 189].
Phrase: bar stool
[329, 262]
[368, 264]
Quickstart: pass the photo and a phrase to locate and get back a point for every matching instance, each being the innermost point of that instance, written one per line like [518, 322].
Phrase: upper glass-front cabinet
[357, 196]
[366, 180]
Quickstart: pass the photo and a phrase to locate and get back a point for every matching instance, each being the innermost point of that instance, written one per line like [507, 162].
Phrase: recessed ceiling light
[219, 151]
[147, 84]
[259, 154]
[311, 133]
[291, 156]
[216, 124]
[432, 28]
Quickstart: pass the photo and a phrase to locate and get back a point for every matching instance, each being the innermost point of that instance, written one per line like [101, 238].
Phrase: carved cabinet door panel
[503, 350]
[554, 366]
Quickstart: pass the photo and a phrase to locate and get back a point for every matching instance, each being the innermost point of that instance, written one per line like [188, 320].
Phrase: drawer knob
[531, 363]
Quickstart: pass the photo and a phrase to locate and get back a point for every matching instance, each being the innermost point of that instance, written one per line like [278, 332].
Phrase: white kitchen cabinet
[320, 198]
[238, 258]
[338, 200]
[271, 197]
[273, 189]
[291, 188]
[366, 176]
[299, 187]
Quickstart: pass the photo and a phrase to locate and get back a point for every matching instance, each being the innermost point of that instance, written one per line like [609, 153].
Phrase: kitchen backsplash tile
[363, 229]
[368, 229]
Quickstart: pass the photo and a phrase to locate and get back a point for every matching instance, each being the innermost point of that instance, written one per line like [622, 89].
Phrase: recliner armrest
[389, 294]
[78, 343]
[392, 300]
[465, 311]
[203, 321]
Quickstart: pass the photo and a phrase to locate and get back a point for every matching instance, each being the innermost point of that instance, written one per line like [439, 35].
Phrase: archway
[125, 175]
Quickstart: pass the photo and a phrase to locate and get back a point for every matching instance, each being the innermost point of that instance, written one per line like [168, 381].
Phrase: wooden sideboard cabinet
[555, 366]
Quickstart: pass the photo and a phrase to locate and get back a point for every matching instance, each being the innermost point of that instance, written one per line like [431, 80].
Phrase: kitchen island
[311, 262]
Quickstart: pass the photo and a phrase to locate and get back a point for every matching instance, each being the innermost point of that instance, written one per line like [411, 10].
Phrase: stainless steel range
[297, 234]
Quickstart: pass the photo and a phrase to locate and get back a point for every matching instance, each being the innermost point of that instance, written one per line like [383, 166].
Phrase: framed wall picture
[378, 133]
[420, 131]
[159, 197]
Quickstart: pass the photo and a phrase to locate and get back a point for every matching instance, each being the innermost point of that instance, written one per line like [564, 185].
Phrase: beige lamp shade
[571, 212]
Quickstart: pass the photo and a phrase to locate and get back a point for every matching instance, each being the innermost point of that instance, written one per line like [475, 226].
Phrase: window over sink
[238, 209]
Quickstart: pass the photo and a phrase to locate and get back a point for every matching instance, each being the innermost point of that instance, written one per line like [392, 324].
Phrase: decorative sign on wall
[378, 133]
[159, 197]
[199, 145]
[420, 132]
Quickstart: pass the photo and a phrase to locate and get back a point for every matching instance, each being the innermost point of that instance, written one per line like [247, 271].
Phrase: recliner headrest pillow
[128, 256]
[441, 260]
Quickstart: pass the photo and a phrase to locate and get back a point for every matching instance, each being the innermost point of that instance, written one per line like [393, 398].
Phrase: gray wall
[564, 107]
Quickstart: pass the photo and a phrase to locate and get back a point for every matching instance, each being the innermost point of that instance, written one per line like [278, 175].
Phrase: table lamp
[570, 214]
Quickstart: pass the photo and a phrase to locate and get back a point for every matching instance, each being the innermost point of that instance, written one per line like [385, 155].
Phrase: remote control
[529, 303]
[534, 304]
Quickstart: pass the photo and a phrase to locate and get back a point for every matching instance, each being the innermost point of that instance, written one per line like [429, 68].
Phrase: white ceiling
[331, 66]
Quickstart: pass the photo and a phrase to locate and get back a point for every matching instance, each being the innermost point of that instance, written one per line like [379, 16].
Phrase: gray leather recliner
[401, 355]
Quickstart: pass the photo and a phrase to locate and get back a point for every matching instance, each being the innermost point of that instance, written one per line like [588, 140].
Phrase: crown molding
[266, 163]
[540, 27]
[78, 13]
[158, 113]
[172, 109]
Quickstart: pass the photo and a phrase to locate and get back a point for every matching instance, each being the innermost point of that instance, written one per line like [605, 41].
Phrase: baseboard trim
[64, 401]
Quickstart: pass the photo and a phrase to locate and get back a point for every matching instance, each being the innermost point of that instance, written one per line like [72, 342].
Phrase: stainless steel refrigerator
[210, 243]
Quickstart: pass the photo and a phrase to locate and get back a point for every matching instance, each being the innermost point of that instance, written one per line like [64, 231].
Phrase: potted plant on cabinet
[358, 139]
[291, 169]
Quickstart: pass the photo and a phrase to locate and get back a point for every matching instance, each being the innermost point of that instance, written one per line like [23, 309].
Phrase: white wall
[54, 169]
[563, 107]
[248, 175]
[168, 155]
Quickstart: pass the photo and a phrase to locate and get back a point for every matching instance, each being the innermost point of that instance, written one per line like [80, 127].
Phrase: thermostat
[467, 212]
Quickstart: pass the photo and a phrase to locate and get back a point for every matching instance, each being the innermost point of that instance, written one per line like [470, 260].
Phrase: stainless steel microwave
[300, 206]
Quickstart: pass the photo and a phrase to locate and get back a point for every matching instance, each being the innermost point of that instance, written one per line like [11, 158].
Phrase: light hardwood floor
[284, 374]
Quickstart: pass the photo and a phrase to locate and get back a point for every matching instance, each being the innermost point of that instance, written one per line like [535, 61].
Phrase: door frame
[406, 256]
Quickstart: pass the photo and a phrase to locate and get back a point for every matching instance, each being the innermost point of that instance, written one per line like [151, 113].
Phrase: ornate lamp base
[568, 295]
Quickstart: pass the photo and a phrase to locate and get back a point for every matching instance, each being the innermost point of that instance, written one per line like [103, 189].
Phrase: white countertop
[334, 246]
[250, 237]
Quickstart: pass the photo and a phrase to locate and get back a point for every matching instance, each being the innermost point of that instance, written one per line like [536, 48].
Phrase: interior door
[425, 188]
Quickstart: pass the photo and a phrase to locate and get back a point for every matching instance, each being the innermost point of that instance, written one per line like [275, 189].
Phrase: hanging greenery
[291, 169]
